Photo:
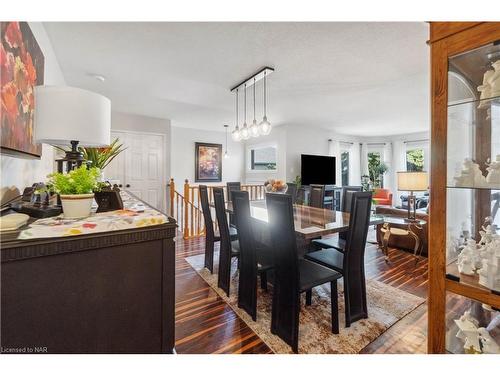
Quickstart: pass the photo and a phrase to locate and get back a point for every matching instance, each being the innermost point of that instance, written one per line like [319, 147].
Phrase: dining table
[310, 223]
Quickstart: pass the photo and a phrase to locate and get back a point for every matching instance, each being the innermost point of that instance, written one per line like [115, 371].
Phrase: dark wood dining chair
[351, 263]
[253, 261]
[228, 248]
[210, 235]
[339, 241]
[292, 191]
[232, 186]
[317, 196]
[293, 276]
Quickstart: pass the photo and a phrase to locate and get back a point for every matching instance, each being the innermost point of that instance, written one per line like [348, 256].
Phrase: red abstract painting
[22, 68]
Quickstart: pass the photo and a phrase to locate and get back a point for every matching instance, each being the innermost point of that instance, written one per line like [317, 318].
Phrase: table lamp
[69, 115]
[412, 181]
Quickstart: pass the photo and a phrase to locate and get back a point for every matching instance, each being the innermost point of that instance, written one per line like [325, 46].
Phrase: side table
[389, 230]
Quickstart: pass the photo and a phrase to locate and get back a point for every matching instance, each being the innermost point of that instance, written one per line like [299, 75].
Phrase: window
[344, 165]
[374, 169]
[263, 158]
[415, 160]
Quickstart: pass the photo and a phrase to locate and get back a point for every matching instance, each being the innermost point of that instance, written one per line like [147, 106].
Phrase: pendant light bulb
[265, 125]
[254, 128]
[245, 132]
[236, 134]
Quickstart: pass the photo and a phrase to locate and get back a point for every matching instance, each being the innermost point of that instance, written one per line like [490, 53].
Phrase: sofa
[404, 242]
[382, 197]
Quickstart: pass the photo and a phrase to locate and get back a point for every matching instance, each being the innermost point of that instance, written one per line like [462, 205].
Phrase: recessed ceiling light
[99, 77]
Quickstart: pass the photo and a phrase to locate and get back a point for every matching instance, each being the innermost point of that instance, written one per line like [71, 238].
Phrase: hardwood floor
[204, 323]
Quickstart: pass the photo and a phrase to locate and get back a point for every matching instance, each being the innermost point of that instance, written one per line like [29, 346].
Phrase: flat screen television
[317, 169]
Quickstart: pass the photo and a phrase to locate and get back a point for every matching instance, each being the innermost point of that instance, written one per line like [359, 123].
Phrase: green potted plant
[76, 190]
[102, 156]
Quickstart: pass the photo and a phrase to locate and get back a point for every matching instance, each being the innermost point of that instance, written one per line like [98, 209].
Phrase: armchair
[382, 197]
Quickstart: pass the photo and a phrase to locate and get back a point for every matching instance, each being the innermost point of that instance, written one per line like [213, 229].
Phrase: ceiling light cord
[265, 95]
[254, 100]
[237, 109]
[245, 103]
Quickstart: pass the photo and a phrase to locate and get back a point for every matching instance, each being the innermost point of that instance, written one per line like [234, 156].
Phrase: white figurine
[493, 177]
[488, 344]
[468, 331]
[467, 258]
[485, 89]
[494, 79]
[470, 175]
[489, 274]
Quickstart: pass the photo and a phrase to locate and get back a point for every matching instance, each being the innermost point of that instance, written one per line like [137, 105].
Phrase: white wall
[182, 151]
[17, 172]
[292, 141]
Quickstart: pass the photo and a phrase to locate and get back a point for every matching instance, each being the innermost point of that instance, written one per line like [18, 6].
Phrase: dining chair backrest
[225, 240]
[347, 192]
[317, 196]
[247, 288]
[286, 306]
[207, 215]
[232, 186]
[354, 258]
[292, 191]
[347, 197]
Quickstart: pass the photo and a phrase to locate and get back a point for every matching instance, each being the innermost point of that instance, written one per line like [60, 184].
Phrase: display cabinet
[464, 243]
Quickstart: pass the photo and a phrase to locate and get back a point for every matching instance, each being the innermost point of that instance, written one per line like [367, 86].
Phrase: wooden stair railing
[186, 209]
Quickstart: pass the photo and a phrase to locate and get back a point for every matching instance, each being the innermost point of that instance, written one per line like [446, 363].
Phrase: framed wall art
[22, 65]
[208, 162]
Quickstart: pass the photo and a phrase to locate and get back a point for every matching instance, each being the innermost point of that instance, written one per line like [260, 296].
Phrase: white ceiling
[354, 78]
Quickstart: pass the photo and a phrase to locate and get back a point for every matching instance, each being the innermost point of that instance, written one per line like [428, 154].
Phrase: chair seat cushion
[233, 233]
[313, 274]
[235, 248]
[264, 259]
[330, 258]
[334, 242]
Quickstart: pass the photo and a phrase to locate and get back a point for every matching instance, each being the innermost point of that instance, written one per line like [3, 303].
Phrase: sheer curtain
[355, 165]
[399, 165]
[364, 159]
[334, 149]
[387, 157]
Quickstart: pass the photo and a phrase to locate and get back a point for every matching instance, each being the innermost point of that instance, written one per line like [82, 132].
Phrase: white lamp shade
[413, 181]
[64, 114]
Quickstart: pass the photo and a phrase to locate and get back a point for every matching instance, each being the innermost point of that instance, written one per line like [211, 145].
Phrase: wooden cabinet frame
[447, 39]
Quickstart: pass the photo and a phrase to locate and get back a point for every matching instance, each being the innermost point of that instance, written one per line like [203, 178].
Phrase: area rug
[386, 305]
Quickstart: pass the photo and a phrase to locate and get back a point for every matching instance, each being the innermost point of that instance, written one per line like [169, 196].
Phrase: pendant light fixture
[226, 155]
[254, 128]
[235, 134]
[245, 133]
[265, 126]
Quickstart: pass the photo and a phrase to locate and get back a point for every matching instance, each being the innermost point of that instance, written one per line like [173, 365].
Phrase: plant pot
[76, 206]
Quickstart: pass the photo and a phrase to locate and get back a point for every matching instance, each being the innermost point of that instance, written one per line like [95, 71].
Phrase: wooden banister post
[172, 195]
[186, 208]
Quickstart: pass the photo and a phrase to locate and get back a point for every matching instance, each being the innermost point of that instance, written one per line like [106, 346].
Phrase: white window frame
[248, 161]
[418, 145]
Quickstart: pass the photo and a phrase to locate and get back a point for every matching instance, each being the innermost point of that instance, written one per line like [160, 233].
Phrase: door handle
[120, 185]
[128, 185]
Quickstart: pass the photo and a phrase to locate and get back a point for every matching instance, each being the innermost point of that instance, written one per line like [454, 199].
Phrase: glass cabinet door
[473, 175]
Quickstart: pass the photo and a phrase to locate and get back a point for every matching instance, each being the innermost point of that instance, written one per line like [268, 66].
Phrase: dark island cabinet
[111, 292]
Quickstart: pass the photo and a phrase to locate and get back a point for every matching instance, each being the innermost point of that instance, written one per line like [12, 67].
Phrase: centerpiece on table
[275, 186]
[76, 190]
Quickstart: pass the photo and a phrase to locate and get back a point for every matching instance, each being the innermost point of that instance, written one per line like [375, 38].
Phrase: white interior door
[140, 167]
